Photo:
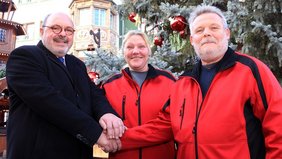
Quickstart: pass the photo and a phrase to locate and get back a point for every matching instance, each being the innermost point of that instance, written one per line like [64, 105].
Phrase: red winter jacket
[137, 105]
[239, 118]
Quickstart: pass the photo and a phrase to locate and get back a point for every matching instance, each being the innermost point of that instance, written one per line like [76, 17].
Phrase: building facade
[96, 16]
[9, 29]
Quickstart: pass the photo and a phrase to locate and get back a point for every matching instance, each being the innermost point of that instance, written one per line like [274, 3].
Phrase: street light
[96, 38]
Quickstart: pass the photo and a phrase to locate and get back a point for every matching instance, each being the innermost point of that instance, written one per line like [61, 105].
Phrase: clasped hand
[113, 128]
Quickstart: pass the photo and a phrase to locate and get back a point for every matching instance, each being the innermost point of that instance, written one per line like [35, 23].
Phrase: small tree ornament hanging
[178, 23]
[183, 34]
[132, 16]
[93, 76]
[158, 41]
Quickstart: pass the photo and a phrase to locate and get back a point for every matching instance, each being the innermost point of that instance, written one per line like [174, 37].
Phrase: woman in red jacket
[138, 93]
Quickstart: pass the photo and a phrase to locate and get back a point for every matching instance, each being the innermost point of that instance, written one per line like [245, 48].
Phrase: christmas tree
[104, 63]
[255, 29]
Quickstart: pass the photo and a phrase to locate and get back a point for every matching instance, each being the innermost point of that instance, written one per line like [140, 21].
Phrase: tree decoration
[132, 16]
[93, 76]
[178, 23]
[183, 34]
[158, 40]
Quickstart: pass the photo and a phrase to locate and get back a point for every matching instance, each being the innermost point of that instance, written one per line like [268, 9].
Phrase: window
[3, 33]
[99, 17]
[29, 30]
[113, 21]
[84, 16]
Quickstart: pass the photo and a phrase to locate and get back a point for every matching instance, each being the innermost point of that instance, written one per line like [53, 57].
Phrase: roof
[4, 5]
[18, 26]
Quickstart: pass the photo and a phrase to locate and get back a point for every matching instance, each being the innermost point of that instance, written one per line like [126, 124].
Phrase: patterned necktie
[61, 59]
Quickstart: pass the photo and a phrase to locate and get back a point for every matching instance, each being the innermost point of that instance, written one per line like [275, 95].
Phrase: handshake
[113, 129]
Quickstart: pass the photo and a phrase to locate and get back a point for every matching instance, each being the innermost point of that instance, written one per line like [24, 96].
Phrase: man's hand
[108, 145]
[112, 125]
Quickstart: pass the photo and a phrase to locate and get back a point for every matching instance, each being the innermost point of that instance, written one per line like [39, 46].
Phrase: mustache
[61, 39]
[207, 41]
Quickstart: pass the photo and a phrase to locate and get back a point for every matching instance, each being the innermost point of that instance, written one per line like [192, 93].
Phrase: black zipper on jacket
[181, 113]
[139, 119]
[139, 115]
[139, 109]
[123, 107]
[194, 131]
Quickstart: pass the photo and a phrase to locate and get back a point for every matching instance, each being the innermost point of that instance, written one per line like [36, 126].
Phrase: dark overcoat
[54, 108]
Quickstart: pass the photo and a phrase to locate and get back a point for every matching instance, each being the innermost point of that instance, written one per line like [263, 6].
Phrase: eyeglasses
[57, 29]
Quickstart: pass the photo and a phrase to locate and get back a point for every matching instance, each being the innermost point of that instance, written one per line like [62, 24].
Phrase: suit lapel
[70, 64]
[72, 70]
[62, 66]
[54, 59]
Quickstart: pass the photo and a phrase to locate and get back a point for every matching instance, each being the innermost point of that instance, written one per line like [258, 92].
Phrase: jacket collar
[151, 72]
[226, 62]
[53, 58]
[46, 51]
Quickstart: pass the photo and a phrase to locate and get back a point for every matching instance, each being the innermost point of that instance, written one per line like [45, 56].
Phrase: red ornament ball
[158, 41]
[131, 17]
[93, 75]
[178, 23]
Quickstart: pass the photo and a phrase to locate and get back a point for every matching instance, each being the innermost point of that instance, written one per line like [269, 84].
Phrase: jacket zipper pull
[123, 107]
[137, 101]
[181, 112]
[194, 129]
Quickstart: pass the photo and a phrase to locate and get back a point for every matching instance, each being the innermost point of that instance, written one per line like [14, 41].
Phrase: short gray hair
[45, 19]
[44, 22]
[199, 10]
[136, 32]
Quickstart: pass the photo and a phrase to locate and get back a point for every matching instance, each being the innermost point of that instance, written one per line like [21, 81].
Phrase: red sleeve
[271, 117]
[154, 132]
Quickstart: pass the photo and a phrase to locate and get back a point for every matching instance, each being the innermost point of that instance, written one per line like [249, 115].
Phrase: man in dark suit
[55, 109]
